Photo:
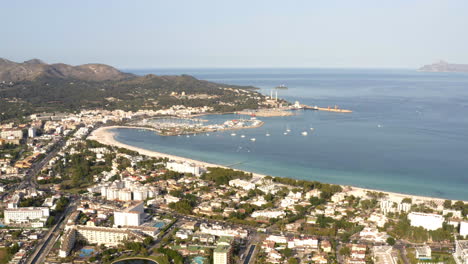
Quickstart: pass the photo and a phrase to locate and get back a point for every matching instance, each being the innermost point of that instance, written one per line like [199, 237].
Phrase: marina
[193, 126]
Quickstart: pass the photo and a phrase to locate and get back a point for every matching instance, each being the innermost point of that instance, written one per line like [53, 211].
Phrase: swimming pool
[198, 260]
[86, 252]
[159, 224]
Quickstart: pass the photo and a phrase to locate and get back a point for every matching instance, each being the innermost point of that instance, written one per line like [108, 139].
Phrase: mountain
[29, 70]
[34, 86]
[442, 66]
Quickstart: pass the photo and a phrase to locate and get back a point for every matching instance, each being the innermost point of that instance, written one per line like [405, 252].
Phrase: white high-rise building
[222, 254]
[130, 216]
[32, 132]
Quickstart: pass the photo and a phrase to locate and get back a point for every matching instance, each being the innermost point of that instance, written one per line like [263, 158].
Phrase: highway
[43, 249]
[30, 176]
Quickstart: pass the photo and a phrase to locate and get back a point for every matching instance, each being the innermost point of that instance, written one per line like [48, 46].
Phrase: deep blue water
[408, 131]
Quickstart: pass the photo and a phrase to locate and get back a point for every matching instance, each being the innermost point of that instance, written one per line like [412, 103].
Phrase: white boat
[379, 126]
[188, 136]
[242, 136]
[312, 129]
[207, 134]
[304, 133]
[233, 134]
[285, 133]
[288, 130]
[252, 139]
[267, 134]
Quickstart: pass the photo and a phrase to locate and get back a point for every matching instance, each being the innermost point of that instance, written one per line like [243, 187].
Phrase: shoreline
[104, 136]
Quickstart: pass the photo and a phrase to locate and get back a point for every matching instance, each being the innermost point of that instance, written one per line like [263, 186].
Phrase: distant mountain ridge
[443, 66]
[29, 70]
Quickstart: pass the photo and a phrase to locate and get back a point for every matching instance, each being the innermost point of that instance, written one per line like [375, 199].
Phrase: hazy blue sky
[216, 33]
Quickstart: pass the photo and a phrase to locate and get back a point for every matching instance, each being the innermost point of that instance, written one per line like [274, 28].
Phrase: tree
[407, 200]
[345, 251]
[287, 252]
[447, 204]
[293, 261]
[391, 241]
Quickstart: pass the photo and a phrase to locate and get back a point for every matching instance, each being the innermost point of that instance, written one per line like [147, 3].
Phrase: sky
[233, 34]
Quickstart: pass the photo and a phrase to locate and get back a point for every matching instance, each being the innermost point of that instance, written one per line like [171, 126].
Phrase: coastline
[104, 136]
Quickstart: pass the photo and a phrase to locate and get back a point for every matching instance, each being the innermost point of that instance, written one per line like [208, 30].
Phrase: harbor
[187, 126]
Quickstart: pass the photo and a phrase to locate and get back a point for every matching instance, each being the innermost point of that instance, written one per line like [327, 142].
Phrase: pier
[335, 109]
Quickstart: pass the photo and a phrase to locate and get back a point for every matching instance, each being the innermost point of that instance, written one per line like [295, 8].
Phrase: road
[249, 255]
[401, 247]
[29, 179]
[43, 249]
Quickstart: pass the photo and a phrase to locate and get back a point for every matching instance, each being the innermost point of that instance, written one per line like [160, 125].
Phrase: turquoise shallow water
[408, 132]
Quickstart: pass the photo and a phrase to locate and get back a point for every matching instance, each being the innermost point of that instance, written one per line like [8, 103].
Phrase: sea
[408, 131]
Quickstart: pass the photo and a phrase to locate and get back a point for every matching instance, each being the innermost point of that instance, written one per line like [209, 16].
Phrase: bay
[408, 131]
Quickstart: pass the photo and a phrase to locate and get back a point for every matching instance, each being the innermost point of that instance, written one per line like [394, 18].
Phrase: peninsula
[443, 66]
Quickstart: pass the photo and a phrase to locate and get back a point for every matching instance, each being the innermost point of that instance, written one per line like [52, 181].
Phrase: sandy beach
[104, 135]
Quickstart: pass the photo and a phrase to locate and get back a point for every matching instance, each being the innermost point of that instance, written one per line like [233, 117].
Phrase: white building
[390, 206]
[455, 213]
[217, 230]
[130, 216]
[107, 236]
[242, 184]
[268, 214]
[222, 254]
[464, 228]
[67, 241]
[184, 167]
[427, 221]
[372, 234]
[303, 242]
[277, 239]
[32, 132]
[26, 215]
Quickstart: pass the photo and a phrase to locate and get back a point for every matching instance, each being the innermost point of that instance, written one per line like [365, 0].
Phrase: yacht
[242, 136]
[304, 133]
[252, 139]
[233, 134]
[267, 134]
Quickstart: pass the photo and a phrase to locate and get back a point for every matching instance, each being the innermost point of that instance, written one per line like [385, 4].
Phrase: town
[68, 198]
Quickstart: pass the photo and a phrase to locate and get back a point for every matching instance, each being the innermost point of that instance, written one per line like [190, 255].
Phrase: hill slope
[72, 88]
[32, 69]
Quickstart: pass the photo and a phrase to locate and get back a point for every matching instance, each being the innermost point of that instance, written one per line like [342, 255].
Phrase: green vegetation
[147, 92]
[173, 255]
[402, 229]
[222, 176]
